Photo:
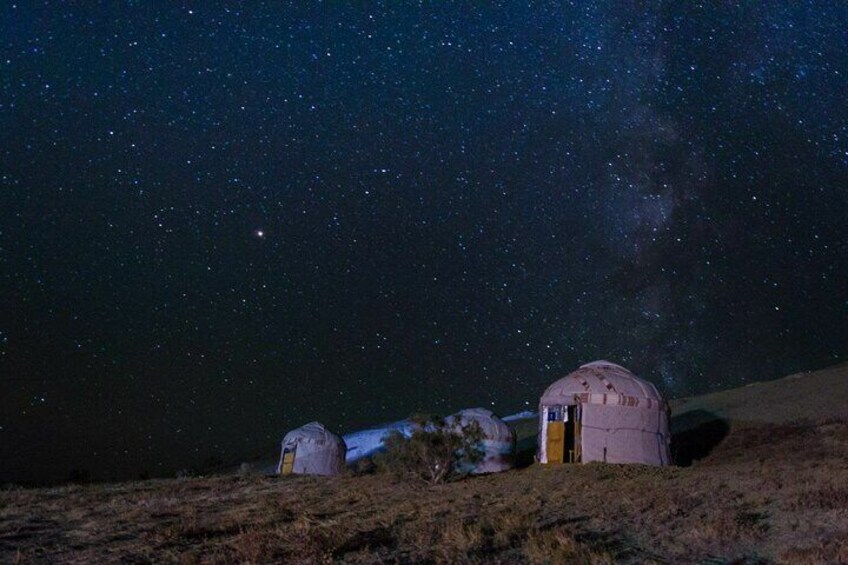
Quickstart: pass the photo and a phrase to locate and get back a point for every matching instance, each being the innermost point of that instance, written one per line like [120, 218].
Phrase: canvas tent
[366, 443]
[312, 450]
[498, 444]
[603, 412]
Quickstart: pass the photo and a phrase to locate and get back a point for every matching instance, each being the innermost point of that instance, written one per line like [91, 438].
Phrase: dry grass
[773, 490]
[758, 497]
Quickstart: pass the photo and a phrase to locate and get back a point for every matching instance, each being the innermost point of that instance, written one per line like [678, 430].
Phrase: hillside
[701, 423]
[771, 489]
[802, 396]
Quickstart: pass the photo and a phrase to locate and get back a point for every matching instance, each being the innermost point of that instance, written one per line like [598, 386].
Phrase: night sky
[217, 224]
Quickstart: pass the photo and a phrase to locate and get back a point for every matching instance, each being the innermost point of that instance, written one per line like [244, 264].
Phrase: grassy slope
[775, 491]
[810, 396]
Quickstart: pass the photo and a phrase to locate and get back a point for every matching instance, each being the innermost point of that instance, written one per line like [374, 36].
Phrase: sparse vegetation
[438, 450]
[756, 497]
[762, 492]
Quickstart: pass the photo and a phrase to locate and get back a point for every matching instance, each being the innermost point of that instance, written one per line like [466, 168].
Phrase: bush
[438, 450]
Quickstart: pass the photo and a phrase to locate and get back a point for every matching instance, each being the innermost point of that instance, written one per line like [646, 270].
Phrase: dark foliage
[437, 451]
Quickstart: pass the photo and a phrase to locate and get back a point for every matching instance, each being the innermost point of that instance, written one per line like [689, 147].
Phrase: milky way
[219, 224]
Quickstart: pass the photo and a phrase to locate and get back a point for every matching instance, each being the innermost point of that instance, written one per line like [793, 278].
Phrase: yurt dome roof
[491, 426]
[600, 378]
[313, 432]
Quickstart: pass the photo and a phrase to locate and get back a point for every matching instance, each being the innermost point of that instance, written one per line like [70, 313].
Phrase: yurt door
[571, 433]
[554, 446]
[288, 461]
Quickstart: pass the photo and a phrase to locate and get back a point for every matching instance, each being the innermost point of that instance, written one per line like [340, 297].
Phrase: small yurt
[498, 444]
[312, 450]
[603, 412]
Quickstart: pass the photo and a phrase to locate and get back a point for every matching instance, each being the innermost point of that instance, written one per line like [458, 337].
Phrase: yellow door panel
[555, 442]
[288, 463]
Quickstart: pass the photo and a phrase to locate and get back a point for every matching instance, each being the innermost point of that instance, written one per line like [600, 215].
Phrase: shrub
[438, 450]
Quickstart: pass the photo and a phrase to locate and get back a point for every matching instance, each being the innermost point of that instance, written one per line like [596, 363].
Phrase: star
[449, 196]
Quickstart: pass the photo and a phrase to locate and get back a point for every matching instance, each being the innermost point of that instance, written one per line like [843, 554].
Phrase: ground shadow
[695, 434]
[525, 452]
[525, 431]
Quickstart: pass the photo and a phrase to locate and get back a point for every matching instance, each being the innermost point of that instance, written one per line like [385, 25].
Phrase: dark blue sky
[217, 224]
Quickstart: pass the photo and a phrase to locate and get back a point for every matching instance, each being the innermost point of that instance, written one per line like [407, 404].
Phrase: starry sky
[218, 223]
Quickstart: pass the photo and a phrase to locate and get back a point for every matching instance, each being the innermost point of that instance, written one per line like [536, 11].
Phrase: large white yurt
[603, 412]
[312, 450]
[498, 444]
